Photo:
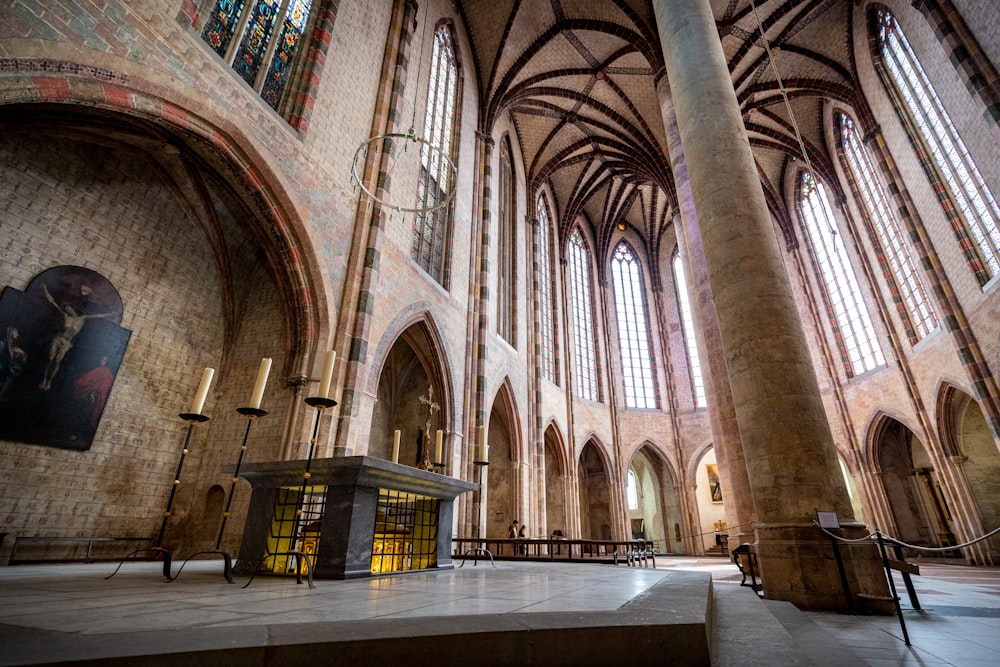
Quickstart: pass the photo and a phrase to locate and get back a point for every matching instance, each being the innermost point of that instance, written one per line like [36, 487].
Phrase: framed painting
[61, 344]
[714, 487]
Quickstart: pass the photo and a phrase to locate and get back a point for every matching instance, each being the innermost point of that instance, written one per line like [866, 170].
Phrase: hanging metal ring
[435, 153]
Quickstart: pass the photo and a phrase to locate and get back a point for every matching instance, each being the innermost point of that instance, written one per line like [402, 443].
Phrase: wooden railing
[630, 552]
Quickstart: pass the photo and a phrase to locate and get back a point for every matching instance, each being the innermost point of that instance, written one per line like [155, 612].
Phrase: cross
[432, 407]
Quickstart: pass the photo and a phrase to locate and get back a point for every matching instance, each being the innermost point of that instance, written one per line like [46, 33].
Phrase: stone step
[747, 630]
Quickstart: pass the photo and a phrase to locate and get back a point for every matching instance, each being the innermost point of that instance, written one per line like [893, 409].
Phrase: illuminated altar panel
[405, 536]
[290, 532]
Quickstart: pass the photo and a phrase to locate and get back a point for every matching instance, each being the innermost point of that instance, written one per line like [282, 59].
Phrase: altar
[355, 517]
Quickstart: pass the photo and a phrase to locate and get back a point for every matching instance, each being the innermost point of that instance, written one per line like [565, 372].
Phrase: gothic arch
[657, 508]
[505, 486]
[409, 373]
[596, 483]
[416, 324]
[185, 132]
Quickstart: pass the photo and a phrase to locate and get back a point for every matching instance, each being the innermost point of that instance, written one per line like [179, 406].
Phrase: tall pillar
[738, 499]
[789, 451]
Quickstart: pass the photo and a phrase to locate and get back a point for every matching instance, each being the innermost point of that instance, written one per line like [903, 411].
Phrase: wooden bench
[40, 549]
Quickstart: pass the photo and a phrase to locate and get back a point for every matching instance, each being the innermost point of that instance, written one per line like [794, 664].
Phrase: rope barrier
[898, 542]
[716, 532]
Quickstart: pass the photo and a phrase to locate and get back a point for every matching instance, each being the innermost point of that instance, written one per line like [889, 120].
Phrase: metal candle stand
[191, 419]
[321, 403]
[165, 554]
[251, 414]
[477, 503]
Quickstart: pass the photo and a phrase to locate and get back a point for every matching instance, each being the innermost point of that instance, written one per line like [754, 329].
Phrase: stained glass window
[430, 229]
[915, 309]
[546, 316]
[259, 38]
[687, 327]
[507, 254]
[972, 198]
[853, 323]
[583, 320]
[633, 328]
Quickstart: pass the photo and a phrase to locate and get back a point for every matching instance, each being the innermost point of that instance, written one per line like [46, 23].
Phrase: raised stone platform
[514, 614]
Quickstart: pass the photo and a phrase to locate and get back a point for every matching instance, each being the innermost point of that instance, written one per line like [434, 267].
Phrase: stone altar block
[347, 527]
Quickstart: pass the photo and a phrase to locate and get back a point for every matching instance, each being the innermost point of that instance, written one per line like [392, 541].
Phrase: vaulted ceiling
[577, 78]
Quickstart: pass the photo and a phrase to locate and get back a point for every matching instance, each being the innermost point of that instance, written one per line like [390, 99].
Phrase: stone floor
[46, 608]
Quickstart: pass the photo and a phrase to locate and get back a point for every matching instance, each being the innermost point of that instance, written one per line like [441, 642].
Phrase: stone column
[738, 500]
[790, 455]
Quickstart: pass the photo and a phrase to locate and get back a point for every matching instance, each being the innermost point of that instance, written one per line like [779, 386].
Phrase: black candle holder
[192, 419]
[251, 414]
[320, 403]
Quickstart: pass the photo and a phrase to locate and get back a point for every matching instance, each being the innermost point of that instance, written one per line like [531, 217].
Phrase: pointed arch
[410, 363]
[185, 128]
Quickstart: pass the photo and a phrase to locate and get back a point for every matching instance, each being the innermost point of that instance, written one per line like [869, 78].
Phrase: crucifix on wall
[432, 407]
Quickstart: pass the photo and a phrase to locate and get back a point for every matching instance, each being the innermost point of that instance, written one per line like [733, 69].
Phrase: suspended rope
[906, 545]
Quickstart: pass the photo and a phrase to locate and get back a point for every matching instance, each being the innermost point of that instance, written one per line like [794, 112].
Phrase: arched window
[260, 39]
[632, 491]
[507, 249]
[687, 324]
[430, 229]
[857, 334]
[545, 303]
[583, 320]
[633, 328]
[968, 201]
[913, 305]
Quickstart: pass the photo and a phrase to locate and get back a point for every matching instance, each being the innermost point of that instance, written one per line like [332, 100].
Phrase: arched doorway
[595, 495]
[911, 487]
[652, 500]
[967, 435]
[503, 485]
[710, 497]
[555, 485]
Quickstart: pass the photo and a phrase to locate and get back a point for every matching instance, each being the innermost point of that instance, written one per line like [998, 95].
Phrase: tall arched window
[633, 328]
[260, 40]
[687, 324]
[507, 249]
[632, 491]
[967, 200]
[913, 305]
[430, 230]
[585, 356]
[860, 346]
[545, 303]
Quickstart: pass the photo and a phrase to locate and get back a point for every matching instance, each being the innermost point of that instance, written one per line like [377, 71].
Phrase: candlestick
[191, 419]
[258, 389]
[395, 447]
[327, 377]
[438, 446]
[202, 394]
[482, 450]
[251, 414]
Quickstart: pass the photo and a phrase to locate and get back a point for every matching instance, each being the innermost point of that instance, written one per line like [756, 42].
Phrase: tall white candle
[438, 446]
[324, 385]
[199, 398]
[395, 447]
[481, 452]
[258, 389]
